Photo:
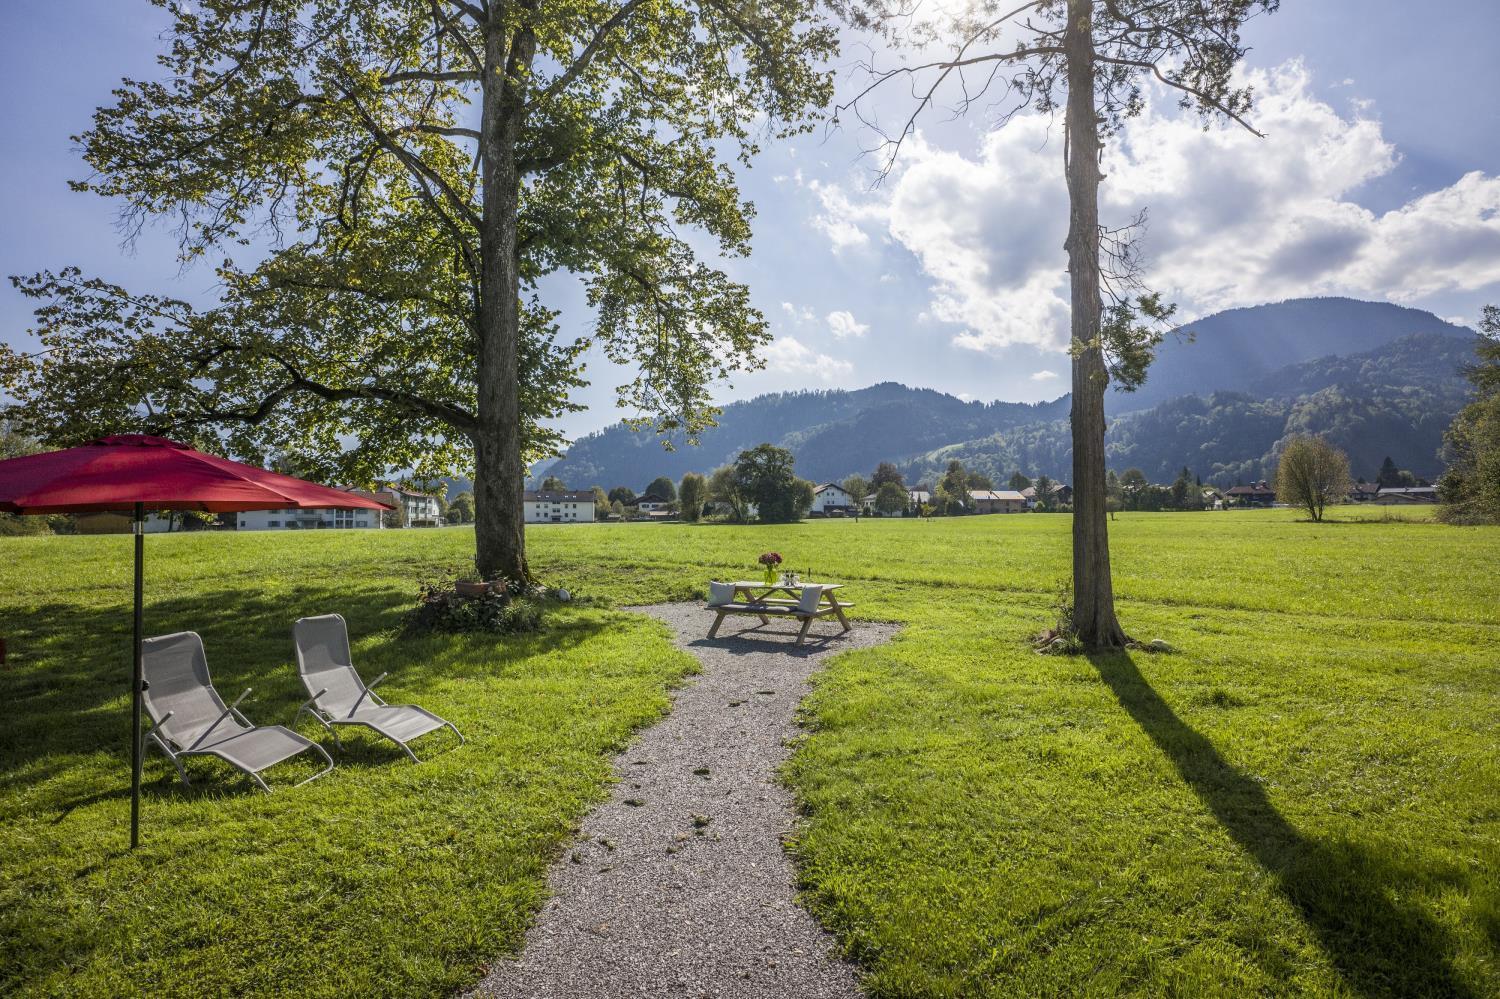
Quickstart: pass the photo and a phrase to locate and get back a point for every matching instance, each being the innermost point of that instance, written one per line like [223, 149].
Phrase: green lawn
[1304, 799]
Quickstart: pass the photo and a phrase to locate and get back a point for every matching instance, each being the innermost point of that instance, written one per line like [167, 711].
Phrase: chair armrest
[224, 714]
[368, 688]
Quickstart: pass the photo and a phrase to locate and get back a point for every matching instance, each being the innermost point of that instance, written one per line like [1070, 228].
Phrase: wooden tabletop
[762, 584]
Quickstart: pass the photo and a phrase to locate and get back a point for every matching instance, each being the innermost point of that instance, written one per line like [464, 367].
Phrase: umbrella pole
[137, 683]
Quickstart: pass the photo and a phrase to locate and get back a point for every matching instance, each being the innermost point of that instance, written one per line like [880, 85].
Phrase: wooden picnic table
[762, 600]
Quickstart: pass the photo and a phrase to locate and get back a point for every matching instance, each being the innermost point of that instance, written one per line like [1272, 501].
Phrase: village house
[831, 500]
[1058, 494]
[918, 497]
[1394, 495]
[652, 503]
[1256, 494]
[996, 501]
[570, 507]
[1364, 492]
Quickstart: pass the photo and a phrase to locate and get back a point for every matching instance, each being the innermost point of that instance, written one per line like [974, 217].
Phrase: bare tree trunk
[499, 521]
[1093, 591]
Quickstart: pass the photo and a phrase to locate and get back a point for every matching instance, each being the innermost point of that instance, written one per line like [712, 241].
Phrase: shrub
[440, 608]
[1311, 474]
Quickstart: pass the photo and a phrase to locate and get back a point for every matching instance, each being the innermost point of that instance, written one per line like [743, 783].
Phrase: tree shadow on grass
[67, 694]
[1379, 944]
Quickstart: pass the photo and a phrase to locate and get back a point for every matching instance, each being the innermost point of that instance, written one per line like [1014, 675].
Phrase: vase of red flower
[770, 560]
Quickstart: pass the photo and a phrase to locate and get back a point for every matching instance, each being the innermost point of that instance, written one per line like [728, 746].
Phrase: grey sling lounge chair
[189, 718]
[340, 697]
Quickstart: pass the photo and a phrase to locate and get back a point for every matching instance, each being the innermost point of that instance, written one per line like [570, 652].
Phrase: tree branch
[589, 52]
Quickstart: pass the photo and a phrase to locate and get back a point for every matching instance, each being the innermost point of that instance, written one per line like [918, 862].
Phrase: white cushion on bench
[811, 596]
[720, 594]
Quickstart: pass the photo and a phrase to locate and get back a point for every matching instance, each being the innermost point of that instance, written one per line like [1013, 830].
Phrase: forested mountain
[1238, 349]
[832, 433]
[1396, 400]
[1377, 379]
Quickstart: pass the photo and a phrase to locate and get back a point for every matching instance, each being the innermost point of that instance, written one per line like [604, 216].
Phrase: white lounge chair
[189, 718]
[340, 697]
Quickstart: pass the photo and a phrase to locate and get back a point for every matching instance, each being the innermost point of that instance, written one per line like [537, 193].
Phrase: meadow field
[1304, 798]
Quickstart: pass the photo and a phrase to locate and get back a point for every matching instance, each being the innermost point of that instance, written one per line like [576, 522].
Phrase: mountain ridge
[1401, 388]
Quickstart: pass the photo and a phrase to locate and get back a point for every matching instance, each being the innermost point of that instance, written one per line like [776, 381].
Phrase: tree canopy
[417, 169]
[663, 487]
[764, 475]
[1311, 474]
[1470, 488]
[691, 496]
[886, 472]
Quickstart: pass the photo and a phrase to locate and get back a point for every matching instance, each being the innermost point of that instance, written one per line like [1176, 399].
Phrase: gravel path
[679, 886]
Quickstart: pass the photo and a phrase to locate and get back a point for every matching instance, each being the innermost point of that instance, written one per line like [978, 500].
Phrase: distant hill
[1395, 400]
[1377, 378]
[1235, 350]
[832, 433]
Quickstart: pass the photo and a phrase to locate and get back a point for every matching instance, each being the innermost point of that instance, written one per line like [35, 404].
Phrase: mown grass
[1304, 799]
[383, 878]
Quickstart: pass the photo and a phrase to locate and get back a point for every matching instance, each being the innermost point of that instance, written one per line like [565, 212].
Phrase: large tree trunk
[499, 477]
[1093, 592]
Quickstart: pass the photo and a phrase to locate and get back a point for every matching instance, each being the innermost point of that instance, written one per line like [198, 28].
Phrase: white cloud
[1234, 220]
[797, 314]
[842, 324]
[842, 220]
[1043, 376]
[788, 355]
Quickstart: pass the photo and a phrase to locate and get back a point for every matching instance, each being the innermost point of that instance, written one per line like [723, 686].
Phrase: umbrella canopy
[138, 473]
[129, 470]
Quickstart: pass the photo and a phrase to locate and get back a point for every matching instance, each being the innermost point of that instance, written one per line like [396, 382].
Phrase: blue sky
[1379, 178]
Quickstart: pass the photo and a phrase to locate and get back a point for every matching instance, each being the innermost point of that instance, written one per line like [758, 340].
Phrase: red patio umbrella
[136, 473]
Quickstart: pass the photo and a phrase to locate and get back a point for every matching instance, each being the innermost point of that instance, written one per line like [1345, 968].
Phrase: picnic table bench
[767, 600]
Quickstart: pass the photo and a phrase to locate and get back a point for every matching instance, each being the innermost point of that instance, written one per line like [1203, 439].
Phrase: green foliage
[1390, 476]
[622, 494]
[344, 131]
[951, 496]
[724, 489]
[764, 476]
[859, 489]
[552, 484]
[803, 495]
[601, 503]
[691, 496]
[1018, 481]
[886, 473]
[461, 509]
[890, 499]
[1311, 474]
[662, 487]
[440, 609]
[1470, 487]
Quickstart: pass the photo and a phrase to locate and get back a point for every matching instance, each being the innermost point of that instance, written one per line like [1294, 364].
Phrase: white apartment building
[306, 520]
[421, 508]
[573, 507]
